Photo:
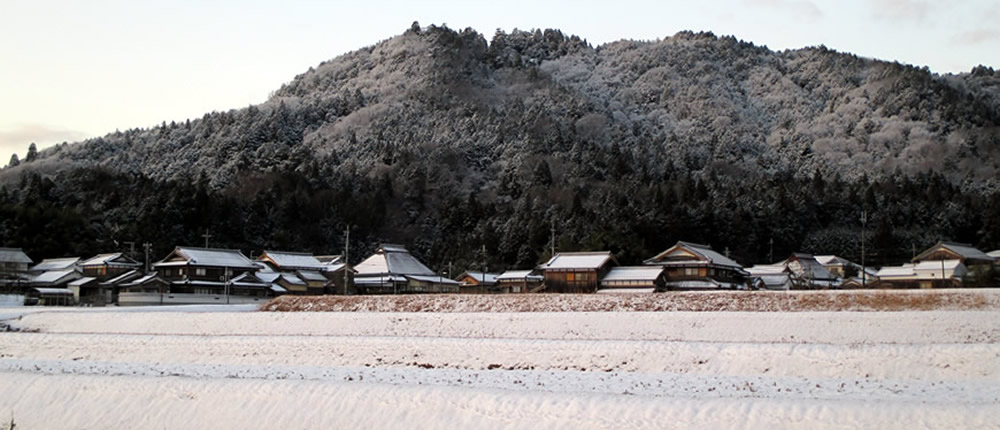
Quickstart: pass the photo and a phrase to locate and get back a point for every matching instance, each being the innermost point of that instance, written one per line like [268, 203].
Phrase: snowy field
[230, 367]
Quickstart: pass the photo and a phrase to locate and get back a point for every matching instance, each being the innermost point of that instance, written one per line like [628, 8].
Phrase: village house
[49, 264]
[107, 266]
[519, 281]
[925, 274]
[340, 274]
[202, 270]
[13, 267]
[634, 279]
[576, 272]
[807, 273]
[301, 273]
[944, 265]
[979, 266]
[693, 266]
[393, 270]
[478, 283]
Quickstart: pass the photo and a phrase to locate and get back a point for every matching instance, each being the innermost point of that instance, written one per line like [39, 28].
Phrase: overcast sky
[76, 69]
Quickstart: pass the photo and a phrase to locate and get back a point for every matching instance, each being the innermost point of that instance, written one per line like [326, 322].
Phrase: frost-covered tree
[32, 153]
[14, 161]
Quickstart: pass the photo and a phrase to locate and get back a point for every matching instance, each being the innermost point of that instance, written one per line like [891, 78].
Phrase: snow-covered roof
[56, 276]
[905, 270]
[250, 280]
[392, 259]
[961, 250]
[56, 264]
[994, 254]
[685, 252]
[329, 259]
[486, 278]
[14, 255]
[578, 260]
[112, 259]
[933, 265]
[697, 284]
[291, 279]
[377, 279]
[189, 256]
[775, 281]
[518, 275]
[291, 260]
[633, 273]
[143, 280]
[433, 279]
[808, 267]
[82, 281]
[833, 260]
[54, 291]
[767, 269]
[309, 275]
[124, 277]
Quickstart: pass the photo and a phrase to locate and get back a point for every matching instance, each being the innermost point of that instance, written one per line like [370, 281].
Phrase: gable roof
[809, 268]
[579, 260]
[393, 259]
[55, 277]
[213, 257]
[633, 273]
[486, 278]
[291, 260]
[123, 278]
[519, 275]
[112, 259]
[56, 264]
[833, 260]
[14, 255]
[963, 251]
[685, 252]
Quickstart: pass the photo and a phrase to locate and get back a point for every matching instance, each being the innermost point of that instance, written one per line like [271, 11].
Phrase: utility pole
[864, 222]
[552, 240]
[484, 265]
[770, 251]
[146, 246]
[206, 236]
[347, 248]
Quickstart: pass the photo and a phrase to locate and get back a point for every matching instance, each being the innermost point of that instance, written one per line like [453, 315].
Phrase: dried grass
[739, 301]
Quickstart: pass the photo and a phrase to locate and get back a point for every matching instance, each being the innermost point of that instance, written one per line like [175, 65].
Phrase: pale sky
[76, 69]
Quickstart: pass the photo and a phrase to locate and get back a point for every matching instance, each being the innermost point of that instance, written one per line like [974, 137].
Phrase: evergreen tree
[14, 161]
[32, 153]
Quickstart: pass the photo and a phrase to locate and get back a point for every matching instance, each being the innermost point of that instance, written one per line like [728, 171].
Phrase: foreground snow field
[212, 369]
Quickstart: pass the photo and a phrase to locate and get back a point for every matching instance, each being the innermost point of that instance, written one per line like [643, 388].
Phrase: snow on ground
[100, 368]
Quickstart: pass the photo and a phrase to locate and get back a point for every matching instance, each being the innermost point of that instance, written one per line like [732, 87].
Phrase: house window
[570, 276]
[199, 271]
[691, 271]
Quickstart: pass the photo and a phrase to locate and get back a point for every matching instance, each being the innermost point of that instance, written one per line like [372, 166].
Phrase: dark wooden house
[203, 270]
[690, 266]
[520, 281]
[107, 266]
[576, 272]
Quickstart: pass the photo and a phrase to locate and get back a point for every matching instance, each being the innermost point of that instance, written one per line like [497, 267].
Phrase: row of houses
[191, 274]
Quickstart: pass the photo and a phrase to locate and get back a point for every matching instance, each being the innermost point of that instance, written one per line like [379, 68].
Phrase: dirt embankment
[738, 301]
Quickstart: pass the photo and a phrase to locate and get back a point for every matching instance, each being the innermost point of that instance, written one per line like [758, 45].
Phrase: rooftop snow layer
[392, 259]
[14, 255]
[292, 260]
[577, 260]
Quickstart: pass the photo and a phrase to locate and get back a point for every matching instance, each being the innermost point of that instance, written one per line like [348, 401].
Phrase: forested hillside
[448, 143]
